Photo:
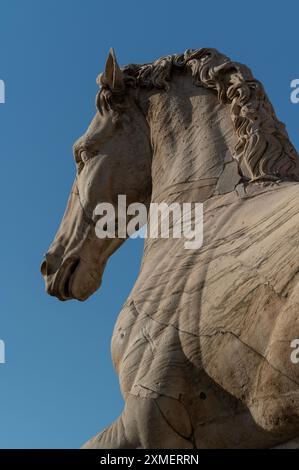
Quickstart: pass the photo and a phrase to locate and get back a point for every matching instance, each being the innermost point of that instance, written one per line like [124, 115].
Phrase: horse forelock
[263, 145]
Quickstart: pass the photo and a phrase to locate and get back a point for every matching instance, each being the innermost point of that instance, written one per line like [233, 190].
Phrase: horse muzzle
[59, 281]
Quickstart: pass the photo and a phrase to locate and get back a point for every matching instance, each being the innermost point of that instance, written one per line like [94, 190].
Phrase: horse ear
[113, 76]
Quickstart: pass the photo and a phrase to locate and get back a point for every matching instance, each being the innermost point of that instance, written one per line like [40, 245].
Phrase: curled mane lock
[263, 145]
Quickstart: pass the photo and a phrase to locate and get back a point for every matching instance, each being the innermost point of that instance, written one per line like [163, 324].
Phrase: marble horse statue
[202, 346]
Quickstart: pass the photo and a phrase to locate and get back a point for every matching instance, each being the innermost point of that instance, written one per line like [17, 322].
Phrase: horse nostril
[50, 263]
[43, 268]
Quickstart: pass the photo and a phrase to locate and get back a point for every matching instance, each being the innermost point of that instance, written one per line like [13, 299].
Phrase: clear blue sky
[58, 387]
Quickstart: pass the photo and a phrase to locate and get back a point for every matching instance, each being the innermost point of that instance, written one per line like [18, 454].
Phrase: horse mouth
[63, 285]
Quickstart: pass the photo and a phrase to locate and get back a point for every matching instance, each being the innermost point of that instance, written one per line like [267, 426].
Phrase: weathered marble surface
[202, 344]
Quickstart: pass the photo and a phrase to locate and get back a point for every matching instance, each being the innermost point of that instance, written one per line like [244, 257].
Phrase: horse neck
[193, 139]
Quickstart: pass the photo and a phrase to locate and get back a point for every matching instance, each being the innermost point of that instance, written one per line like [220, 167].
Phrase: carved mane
[263, 144]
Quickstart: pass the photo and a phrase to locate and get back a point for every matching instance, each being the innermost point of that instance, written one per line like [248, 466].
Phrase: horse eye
[83, 156]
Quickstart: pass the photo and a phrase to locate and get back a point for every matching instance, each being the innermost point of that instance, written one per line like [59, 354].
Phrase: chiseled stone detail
[202, 344]
[229, 178]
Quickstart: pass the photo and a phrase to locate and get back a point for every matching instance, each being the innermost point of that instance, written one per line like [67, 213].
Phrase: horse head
[113, 157]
